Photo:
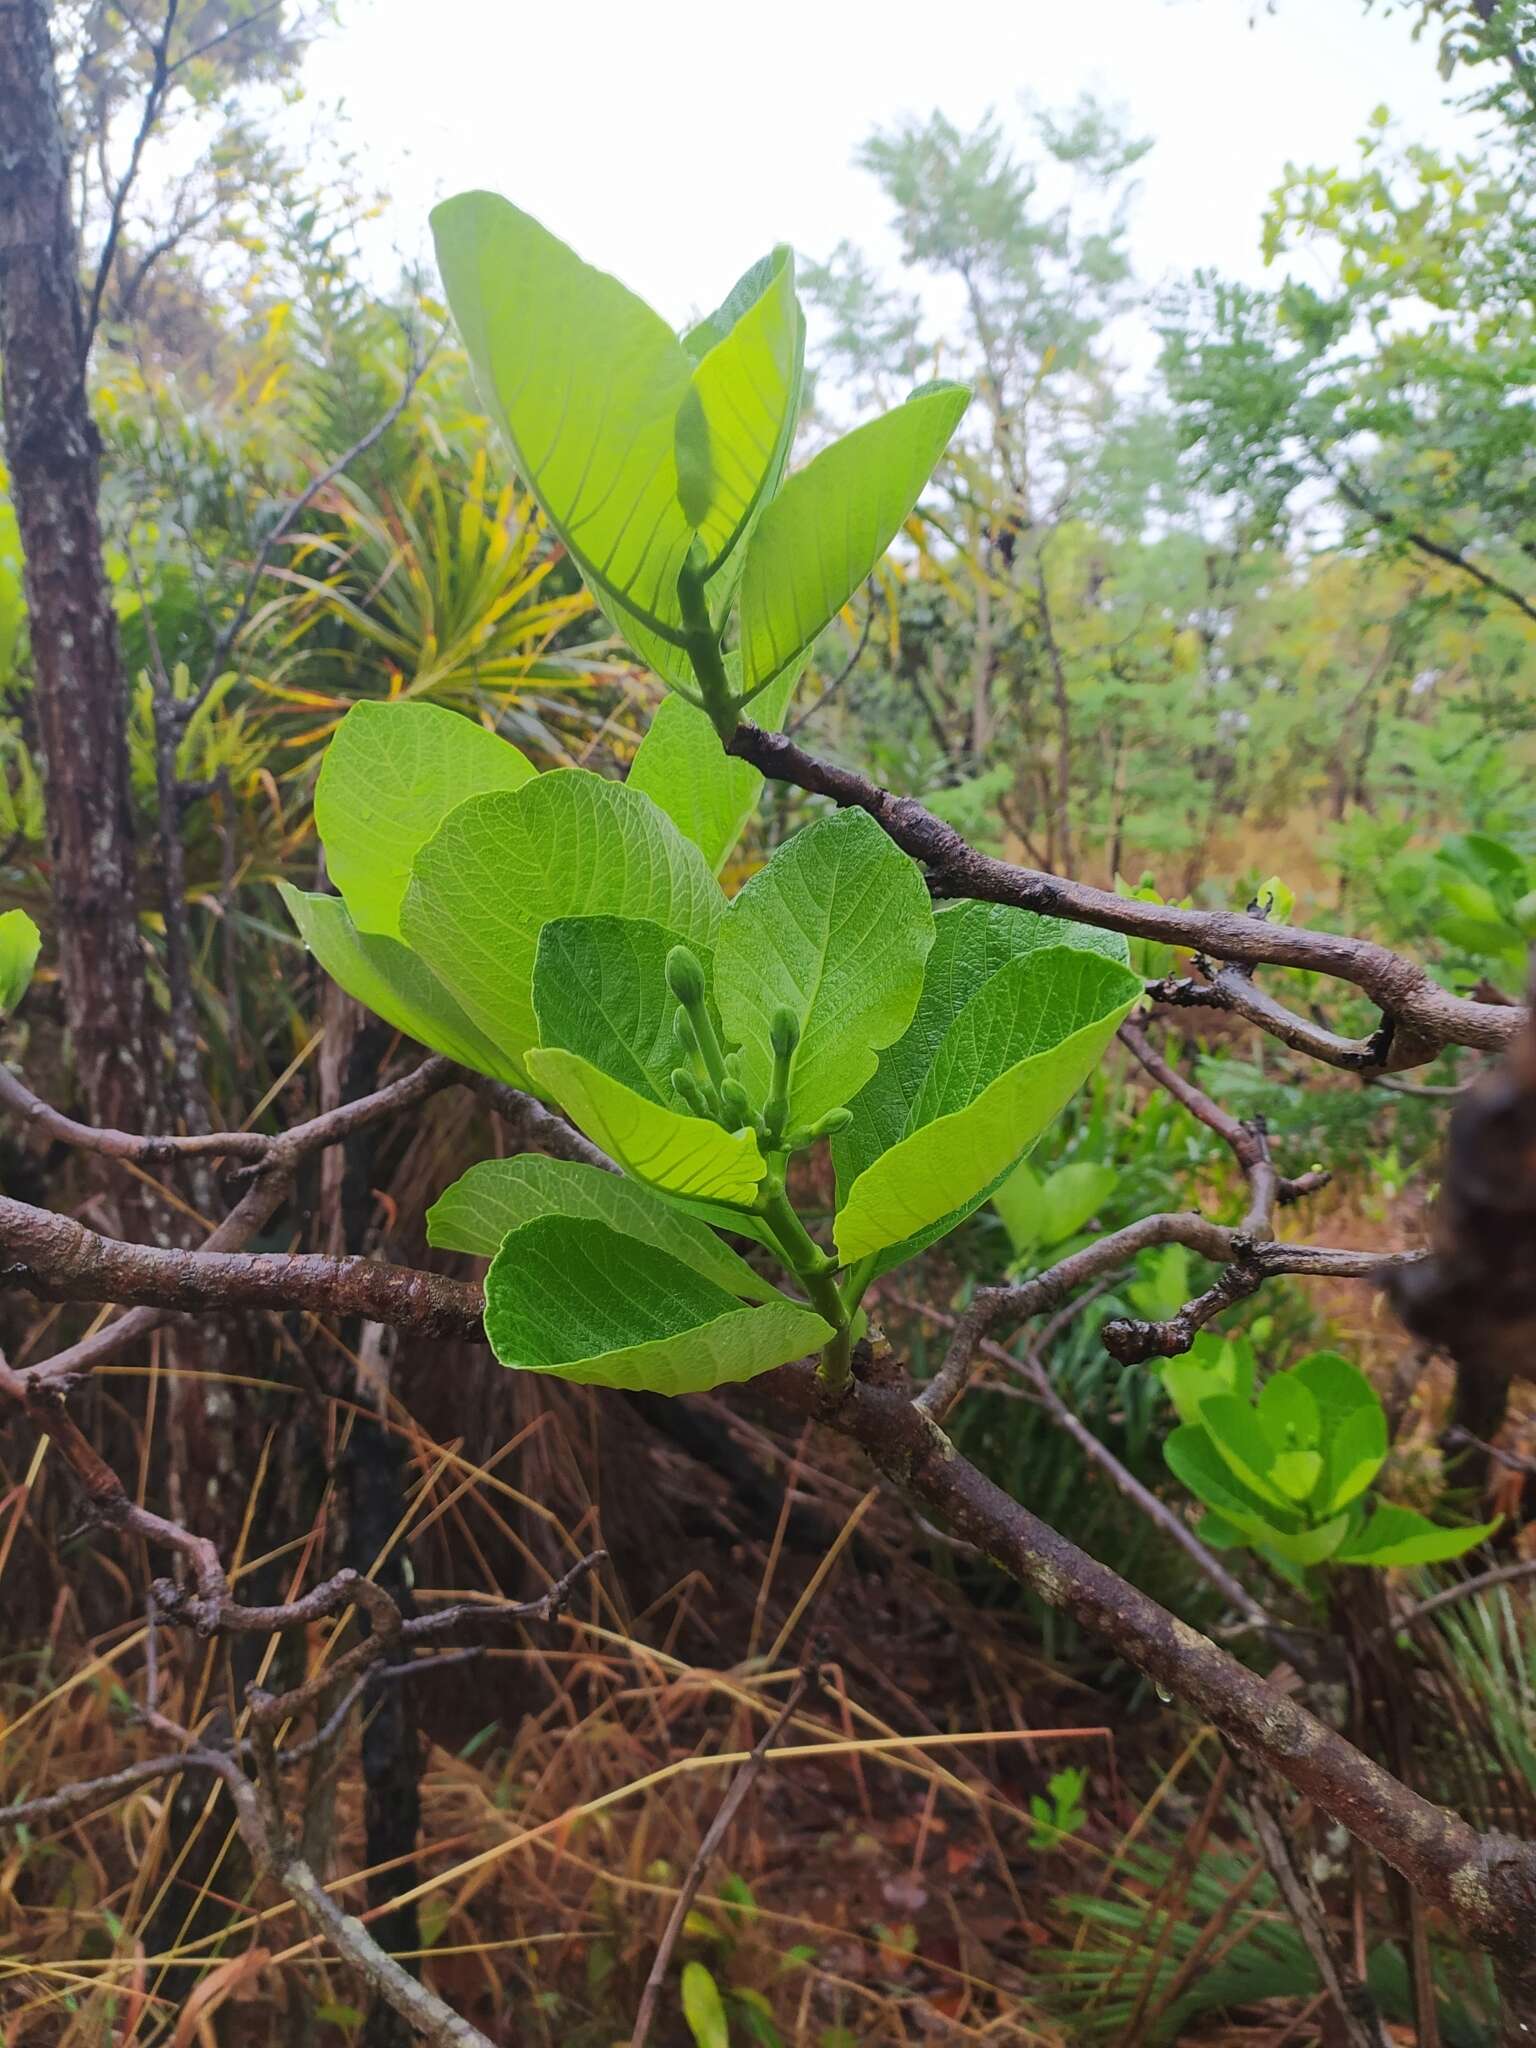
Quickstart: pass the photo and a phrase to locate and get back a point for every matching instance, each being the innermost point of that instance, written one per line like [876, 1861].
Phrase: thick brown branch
[1423, 1016]
[60, 1260]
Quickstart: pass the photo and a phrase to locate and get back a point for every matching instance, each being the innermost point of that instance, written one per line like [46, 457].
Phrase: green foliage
[499, 1195]
[1041, 1212]
[20, 944]
[389, 778]
[703, 2008]
[680, 767]
[1284, 1473]
[1060, 1812]
[830, 525]
[658, 461]
[394, 982]
[1015, 1012]
[567, 844]
[572, 1296]
[835, 930]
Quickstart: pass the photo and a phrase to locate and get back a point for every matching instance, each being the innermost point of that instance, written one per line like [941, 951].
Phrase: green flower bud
[734, 1104]
[784, 1032]
[834, 1121]
[688, 1091]
[685, 977]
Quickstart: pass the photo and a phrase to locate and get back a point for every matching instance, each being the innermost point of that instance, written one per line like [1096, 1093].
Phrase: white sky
[673, 141]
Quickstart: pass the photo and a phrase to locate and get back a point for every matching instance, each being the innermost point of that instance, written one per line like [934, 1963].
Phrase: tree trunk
[52, 450]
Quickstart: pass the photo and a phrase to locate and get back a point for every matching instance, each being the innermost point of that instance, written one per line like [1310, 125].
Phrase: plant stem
[811, 1267]
[703, 648]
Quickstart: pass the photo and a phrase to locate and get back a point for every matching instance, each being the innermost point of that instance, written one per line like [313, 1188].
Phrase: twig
[1419, 1017]
[154, 98]
[1248, 1142]
[1501, 1575]
[741, 1784]
[1158, 1512]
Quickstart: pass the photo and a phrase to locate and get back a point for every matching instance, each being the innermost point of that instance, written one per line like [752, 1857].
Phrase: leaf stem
[813, 1268]
[702, 643]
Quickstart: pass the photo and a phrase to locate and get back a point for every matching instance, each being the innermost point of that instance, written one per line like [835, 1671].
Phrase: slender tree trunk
[52, 450]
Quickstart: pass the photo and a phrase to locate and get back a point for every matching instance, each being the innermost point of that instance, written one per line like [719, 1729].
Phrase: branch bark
[1419, 1016]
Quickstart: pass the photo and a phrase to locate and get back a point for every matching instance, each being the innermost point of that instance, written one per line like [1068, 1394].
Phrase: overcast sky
[672, 141]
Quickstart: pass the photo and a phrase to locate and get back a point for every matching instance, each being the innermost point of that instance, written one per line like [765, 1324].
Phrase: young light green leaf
[1296, 1473]
[684, 1155]
[600, 989]
[1353, 1454]
[703, 2008]
[1288, 1413]
[1398, 1536]
[682, 766]
[1020, 1202]
[1048, 1211]
[1240, 1440]
[586, 381]
[567, 844]
[831, 523]
[1193, 1459]
[390, 980]
[735, 434]
[835, 929]
[390, 776]
[500, 1195]
[20, 943]
[574, 1297]
[1214, 1365]
[967, 1091]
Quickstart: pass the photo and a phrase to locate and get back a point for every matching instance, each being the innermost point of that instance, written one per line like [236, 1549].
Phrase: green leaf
[702, 2008]
[1192, 1457]
[390, 776]
[1239, 1439]
[682, 766]
[567, 844]
[390, 980]
[1163, 1287]
[600, 989]
[1352, 1425]
[685, 1155]
[499, 1195]
[576, 1298]
[1213, 1365]
[1020, 1202]
[734, 435]
[586, 382]
[835, 929]
[1312, 1546]
[972, 1084]
[1396, 1536]
[1353, 1455]
[1039, 1213]
[831, 523]
[1073, 1194]
[1296, 1473]
[20, 943]
[1287, 1413]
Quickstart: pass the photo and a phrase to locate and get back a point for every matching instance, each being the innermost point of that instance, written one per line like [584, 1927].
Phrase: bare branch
[1422, 1017]
[154, 101]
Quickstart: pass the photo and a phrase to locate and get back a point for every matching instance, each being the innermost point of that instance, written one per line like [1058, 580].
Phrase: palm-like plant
[428, 592]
